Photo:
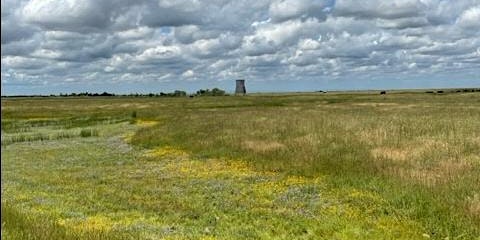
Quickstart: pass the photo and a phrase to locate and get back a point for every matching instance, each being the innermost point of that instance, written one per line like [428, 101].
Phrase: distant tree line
[176, 93]
[104, 94]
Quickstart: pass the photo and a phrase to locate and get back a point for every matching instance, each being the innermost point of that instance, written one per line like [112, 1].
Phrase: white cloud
[470, 18]
[308, 44]
[269, 38]
[160, 53]
[188, 74]
[281, 10]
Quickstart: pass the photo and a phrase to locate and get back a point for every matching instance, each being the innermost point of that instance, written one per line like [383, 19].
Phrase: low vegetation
[310, 166]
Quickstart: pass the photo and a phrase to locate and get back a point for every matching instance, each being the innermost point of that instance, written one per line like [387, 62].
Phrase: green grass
[305, 166]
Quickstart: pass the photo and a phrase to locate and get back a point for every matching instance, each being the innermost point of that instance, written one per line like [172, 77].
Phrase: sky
[128, 46]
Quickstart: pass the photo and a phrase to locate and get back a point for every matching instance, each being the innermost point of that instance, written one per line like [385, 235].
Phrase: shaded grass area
[333, 166]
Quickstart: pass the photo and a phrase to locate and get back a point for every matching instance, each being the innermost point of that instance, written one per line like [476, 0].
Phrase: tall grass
[8, 139]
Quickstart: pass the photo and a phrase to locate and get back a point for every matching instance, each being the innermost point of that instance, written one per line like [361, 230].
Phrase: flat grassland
[287, 166]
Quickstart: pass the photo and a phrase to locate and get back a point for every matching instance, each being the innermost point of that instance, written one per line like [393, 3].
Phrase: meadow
[405, 165]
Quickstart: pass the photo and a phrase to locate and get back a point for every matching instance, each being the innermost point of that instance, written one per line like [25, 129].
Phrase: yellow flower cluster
[366, 195]
[128, 137]
[146, 123]
[93, 223]
[212, 168]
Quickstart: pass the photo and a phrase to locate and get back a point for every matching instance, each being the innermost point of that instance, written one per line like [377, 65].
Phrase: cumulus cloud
[67, 42]
[470, 18]
[188, 74]
[282, 10]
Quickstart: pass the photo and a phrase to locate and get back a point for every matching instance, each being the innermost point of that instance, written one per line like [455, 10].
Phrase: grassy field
[287, 166]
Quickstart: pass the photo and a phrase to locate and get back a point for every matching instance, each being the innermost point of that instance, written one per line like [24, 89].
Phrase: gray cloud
[152, 42]
[393, 9]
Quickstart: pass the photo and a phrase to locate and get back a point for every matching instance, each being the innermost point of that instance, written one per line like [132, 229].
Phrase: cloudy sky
[52, 46]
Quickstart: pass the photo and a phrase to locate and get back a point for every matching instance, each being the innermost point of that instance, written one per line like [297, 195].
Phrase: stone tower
[240, 87]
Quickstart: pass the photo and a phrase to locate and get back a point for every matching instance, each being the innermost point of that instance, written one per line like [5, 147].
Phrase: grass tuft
[89, 132]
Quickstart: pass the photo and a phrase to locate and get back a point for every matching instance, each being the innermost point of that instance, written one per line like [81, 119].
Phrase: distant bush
[179, 93]
[213, 92]
[176, 93]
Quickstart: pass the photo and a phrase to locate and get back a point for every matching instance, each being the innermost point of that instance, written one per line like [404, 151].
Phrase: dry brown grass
[394, 154]
[262, 146]
[375, 104]
[135, 105]
[409, 166]
[443, 172]
[306, 140]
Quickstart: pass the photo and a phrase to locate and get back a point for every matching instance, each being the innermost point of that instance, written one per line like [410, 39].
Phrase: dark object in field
[440, 91]
[191, 96]
[240, 87]
[208, 92]
[429, 92]
[383, 92]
